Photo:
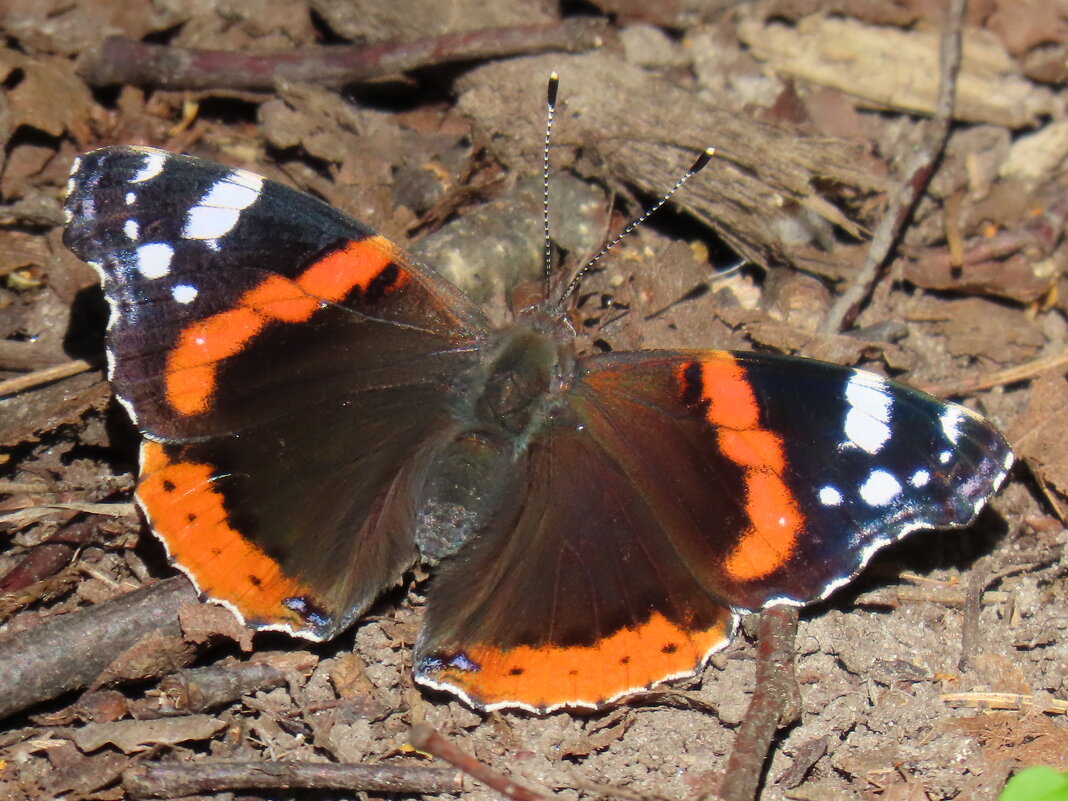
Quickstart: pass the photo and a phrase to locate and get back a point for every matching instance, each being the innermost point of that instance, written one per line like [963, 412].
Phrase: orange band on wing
[187, 513]
[775, 519]
[357, 264]
[192, 365]
[731, 403]
[544, 678]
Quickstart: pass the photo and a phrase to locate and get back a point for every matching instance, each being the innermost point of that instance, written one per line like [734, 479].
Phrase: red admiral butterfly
[320, 412]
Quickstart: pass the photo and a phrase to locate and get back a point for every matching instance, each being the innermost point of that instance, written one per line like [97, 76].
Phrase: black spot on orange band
[549, 677]
[187, 513]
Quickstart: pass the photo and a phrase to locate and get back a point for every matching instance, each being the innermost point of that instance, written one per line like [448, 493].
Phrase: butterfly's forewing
[290, 369]
[675, 488]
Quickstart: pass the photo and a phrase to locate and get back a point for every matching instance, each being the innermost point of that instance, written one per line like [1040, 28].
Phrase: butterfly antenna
[700, 164]
[554, 86]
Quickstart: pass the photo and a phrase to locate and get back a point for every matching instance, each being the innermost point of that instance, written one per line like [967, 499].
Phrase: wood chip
[897, 69]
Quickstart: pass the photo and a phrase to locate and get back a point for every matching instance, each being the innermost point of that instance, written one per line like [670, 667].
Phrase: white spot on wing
[951, 419]
[131, 198]
[227, 195]
[206, 222]
[131, 229]
[830, 496]
[879, 488]
[920, 479]
[867, 423]
[246, 178]
[152, 166]
[154, 259]
[221, 207]
[865, 432]
[184, 293]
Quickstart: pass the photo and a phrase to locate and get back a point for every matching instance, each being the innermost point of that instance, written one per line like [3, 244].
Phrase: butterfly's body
[513, 394]
[321, 412]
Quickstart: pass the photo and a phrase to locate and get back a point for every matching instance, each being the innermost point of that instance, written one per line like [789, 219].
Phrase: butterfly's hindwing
[678, 489]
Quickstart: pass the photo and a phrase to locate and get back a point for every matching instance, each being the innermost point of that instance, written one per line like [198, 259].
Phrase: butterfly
[321, 412]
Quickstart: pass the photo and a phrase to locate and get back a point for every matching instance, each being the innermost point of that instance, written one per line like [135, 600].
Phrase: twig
[121, 61]
[892, 598]
[426, 739]
[99, 486]
[47, 375]
[199, 778]
[67, 652]
[845, 309]
[969, 630]
[987, 700]
[201, 689]
[773, 705]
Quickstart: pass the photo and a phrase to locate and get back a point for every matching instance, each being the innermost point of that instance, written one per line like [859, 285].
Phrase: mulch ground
[937, 674]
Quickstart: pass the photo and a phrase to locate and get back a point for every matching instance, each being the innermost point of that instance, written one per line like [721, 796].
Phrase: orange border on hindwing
[551, 677]
[187, 512]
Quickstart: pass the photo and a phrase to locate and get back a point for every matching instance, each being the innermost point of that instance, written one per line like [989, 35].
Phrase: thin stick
[988, 700]
[427, 739]
[199, 778]
[121, 61]
[845, 309]
[969, 630]
[1010, 375]
[773, 696]
[13, 386]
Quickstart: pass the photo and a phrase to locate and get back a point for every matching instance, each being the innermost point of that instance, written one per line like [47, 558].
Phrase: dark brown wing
[290, 369]
[673, 489]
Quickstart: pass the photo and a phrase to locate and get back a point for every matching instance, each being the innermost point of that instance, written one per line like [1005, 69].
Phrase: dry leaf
[130, 736]
[1039, 435]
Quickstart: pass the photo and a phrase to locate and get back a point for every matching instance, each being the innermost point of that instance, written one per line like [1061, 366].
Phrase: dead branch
[172, 780]
[68, 652]
[427, 739]
[121, 61]
[774, 704]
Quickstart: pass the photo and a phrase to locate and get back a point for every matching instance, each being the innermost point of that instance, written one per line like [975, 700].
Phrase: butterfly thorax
[517, 392]
[524, 376]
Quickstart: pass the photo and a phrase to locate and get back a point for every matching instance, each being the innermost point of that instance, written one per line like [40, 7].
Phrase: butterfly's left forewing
[230, 293]
[675, 489]
[291, 370]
